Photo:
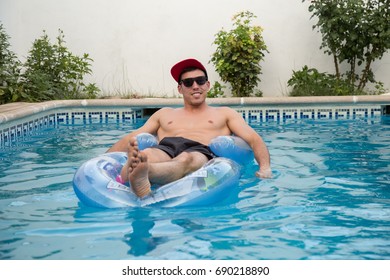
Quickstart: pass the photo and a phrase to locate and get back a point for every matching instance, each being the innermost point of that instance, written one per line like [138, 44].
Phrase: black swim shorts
[174, 146]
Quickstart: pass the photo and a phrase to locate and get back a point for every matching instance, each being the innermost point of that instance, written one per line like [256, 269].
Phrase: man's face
[192, 92]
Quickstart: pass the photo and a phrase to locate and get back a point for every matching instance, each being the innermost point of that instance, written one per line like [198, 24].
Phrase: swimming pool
[329, 199]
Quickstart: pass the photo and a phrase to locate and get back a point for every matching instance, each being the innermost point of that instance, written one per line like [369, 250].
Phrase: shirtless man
[184, 134]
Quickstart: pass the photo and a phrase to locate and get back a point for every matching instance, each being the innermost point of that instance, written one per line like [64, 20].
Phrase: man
[184, 134]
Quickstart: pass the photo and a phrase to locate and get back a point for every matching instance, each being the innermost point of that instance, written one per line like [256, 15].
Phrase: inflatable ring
[95, 181]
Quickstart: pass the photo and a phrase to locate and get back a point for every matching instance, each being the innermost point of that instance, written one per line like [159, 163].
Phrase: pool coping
[14, 111]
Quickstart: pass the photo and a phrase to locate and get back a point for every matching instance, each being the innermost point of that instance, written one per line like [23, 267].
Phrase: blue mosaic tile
[63, 117]
[79, 117]
[254, 115]
[307, 114]
[342, 113]
[95, 117]
[129, 115]
[376, 112]
[324, 113]
[272, 114]
[113, 116]
[11, 135]
[289, 114]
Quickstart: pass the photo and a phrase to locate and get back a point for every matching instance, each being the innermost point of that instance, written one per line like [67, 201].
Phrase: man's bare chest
[191, 124]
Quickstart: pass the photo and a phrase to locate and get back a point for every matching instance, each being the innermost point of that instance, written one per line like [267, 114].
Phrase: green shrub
[50, 72]
[238, 54]
[310, 82]
[356, 32]
[216, 90]
[10, 67]
[53, 72]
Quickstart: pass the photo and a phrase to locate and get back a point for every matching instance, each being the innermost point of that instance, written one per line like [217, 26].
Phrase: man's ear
[179, 88]
[209, 85]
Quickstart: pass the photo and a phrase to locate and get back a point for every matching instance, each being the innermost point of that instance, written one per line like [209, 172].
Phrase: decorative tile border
[98, 116]
[15, 131]
[288, 113]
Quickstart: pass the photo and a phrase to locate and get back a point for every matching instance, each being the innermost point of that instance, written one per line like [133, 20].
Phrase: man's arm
[241, 129]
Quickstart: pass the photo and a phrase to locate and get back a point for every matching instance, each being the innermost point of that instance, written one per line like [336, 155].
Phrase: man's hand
[264, 173]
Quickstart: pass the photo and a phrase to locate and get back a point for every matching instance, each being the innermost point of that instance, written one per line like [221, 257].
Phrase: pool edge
[14, 111]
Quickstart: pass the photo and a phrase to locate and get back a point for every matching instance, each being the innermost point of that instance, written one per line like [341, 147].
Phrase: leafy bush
[50, 72]
[10, 66]
[53, 72]
[216, 90]
[310, 82]
[238, 54]
[356, 32]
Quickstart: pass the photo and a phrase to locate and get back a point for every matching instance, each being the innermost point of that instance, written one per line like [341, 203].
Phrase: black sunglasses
[201, 80]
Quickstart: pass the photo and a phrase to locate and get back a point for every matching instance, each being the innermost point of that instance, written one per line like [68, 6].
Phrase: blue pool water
[329, 199]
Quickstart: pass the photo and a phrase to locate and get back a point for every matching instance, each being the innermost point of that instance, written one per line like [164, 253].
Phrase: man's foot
[138, 175]
[132, 159]
[132, 155]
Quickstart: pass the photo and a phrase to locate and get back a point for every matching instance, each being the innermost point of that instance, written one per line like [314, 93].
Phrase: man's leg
[148, 167]
[153, 155]
[136, 159]
[162, 173]
[138, 176]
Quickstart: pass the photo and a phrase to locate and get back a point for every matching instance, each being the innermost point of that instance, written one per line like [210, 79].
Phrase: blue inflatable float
[95, 181]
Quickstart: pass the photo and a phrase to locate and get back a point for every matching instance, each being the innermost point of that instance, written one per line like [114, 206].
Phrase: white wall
[135, 43]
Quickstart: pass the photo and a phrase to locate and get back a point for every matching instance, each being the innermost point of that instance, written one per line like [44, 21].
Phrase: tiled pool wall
[14, 129]
[285, 114]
